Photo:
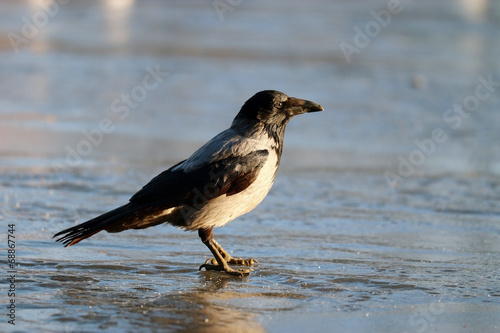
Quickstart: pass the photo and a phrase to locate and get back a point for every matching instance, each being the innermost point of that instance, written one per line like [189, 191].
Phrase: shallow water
[339, 247]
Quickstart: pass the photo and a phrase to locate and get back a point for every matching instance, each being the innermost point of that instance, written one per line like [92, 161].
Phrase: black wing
[172, 188]
[227, 176]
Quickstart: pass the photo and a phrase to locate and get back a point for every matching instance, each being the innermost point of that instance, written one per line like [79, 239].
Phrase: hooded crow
[226, 178]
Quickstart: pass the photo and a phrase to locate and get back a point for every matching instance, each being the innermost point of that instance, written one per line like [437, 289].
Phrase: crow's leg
[221, 257]
[229, 259]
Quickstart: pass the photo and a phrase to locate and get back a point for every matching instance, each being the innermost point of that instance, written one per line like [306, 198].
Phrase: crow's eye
[278, 105]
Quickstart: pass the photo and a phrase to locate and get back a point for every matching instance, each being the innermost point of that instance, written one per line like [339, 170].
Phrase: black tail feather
[84, 230]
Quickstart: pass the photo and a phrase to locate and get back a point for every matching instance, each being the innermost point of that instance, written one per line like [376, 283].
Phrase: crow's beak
[298, 106]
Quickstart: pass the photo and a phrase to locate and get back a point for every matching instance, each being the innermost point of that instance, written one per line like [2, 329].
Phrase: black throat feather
[273, 131]
[276, 133]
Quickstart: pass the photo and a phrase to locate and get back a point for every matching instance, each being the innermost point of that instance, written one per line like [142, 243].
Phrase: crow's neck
[275, 133]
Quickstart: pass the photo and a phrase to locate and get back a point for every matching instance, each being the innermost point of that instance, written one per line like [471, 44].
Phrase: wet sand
[384, 216]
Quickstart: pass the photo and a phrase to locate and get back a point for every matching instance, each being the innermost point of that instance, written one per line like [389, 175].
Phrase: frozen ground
[384, 217]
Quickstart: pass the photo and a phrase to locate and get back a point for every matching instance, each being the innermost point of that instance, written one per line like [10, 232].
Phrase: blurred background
[97, 97]
[65, 63]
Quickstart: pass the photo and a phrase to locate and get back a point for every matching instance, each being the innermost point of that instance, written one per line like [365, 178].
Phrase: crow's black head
[271, 107]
